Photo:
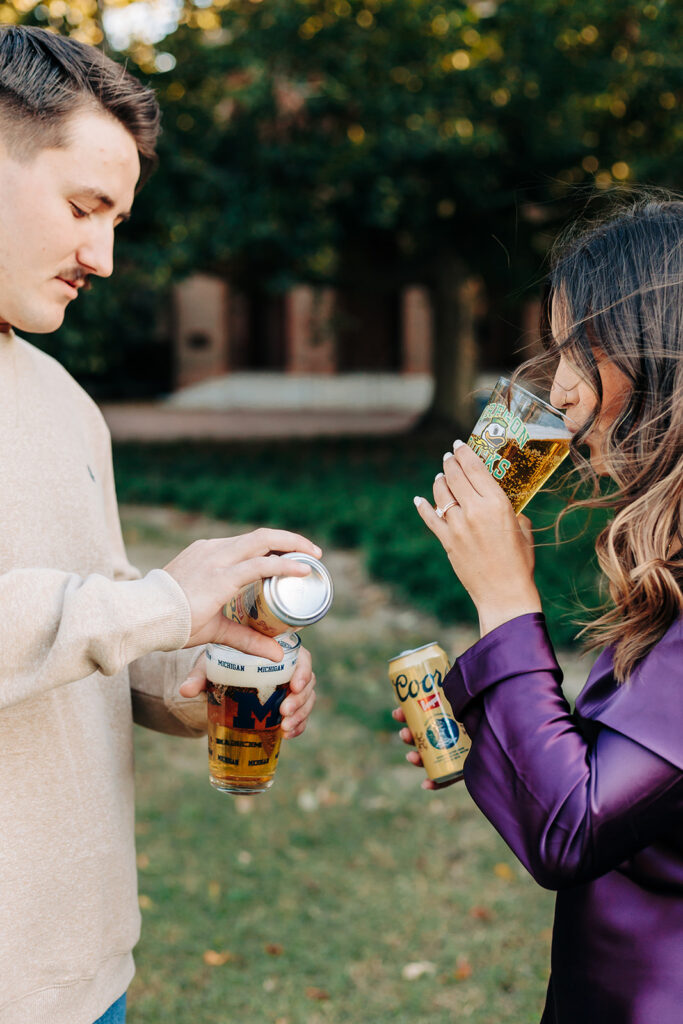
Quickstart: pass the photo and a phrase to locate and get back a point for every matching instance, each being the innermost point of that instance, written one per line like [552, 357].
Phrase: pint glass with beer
[243, 694]
[521, 439]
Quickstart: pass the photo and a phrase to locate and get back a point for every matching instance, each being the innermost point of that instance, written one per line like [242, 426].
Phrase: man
[84, 640]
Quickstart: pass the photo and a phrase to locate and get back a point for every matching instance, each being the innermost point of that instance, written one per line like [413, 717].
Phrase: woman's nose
[558, 396]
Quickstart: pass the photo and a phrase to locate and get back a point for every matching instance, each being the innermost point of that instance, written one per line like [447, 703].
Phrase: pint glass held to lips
[244, 693]
[521, 440]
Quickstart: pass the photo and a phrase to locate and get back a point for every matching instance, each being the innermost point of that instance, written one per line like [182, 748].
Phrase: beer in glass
[244, 693]
[521, 439]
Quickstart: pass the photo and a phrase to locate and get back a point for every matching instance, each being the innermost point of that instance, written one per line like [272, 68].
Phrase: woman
[591, 802]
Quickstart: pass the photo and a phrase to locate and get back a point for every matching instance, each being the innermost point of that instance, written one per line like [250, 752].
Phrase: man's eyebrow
[100, 197]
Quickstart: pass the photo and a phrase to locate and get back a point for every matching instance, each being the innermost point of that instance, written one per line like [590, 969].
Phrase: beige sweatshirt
[78, 628]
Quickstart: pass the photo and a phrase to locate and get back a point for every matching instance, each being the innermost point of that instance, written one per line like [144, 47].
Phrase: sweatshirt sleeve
[57, 627]
[157, 675]
[570, 811]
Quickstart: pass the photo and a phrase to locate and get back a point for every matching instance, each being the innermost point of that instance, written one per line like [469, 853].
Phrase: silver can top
[414, 650]
[300, 600]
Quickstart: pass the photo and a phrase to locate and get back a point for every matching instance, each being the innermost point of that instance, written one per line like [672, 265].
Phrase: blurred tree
[399, 140]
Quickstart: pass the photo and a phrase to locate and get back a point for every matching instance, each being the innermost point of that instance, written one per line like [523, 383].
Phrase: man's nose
[97, 254]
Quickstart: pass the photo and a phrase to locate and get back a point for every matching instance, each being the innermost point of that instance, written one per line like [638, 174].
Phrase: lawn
[346, 893]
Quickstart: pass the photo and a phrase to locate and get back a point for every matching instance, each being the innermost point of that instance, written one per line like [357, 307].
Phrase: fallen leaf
[145, 902]
[270, 984]
[317, 993]
[274, 949]
[307, 800]
[463, 969]
[503, 871]
[214, 889]
[215, 959]
[244, 857]
[411, 972]
[142, 861]
[481, 913]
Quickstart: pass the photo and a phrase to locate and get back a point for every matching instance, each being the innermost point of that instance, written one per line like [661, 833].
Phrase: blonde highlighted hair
[620, 283]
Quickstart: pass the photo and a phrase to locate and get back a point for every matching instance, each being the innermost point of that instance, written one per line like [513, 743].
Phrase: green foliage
[360, 140]
[302, 132]
[357, 494]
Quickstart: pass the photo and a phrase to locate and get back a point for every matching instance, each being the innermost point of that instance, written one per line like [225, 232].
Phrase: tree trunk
[455, 349]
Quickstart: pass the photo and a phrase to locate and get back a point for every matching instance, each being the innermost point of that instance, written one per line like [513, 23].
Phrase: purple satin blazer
[591, 804]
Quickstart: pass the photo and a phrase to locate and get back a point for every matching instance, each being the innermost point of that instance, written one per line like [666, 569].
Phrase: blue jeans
[116, 1014]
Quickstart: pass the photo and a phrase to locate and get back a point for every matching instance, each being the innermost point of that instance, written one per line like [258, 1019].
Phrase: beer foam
[537, 432]
[227, 666]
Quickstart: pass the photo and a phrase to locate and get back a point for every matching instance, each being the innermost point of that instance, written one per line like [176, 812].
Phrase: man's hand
[211, 572]
[295, 708]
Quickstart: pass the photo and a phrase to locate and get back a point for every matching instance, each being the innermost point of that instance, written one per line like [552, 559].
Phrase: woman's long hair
[620, 285]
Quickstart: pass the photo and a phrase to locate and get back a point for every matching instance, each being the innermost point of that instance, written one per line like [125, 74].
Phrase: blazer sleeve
[570, 811]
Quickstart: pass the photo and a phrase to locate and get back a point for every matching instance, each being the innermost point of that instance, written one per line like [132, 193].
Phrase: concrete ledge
[156, 422]
[410, 393]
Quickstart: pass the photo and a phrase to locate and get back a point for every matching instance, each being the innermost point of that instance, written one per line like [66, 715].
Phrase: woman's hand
[490, 549]
[413, 756]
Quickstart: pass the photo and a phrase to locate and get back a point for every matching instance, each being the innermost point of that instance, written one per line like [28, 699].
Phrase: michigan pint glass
[521, 440]
[243, 694]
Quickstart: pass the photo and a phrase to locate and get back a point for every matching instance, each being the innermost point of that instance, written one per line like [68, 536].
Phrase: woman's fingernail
[457, 444]
[438, 477]
[448, 455]
[418, 501]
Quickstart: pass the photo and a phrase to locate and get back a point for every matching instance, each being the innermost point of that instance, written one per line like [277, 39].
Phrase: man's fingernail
[447, 455]
[457, 444]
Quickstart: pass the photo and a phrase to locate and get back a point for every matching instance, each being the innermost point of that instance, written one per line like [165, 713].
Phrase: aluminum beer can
[281, 603]
[443, 743]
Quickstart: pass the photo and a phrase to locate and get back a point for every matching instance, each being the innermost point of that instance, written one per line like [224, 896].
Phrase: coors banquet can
[281, 603]
[443, 743]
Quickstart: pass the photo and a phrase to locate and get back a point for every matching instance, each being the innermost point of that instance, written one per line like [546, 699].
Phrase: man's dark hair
[46, 78]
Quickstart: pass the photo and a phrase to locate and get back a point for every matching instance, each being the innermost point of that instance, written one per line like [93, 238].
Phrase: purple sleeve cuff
[516, 648]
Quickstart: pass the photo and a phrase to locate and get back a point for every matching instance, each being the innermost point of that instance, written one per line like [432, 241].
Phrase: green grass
[357, 493]
[315, 896]
[331, 883]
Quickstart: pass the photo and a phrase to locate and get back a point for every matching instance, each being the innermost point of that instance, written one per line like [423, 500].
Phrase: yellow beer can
[443, 742]
[280, 604]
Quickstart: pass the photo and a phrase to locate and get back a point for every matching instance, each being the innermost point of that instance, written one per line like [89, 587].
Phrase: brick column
[309, 330]
[200, 331]
[416, 330]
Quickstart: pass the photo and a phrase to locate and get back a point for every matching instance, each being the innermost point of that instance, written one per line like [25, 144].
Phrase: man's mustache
[76, 275]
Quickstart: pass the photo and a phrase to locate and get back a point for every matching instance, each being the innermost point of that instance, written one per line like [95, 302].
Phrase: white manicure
[457, 444]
